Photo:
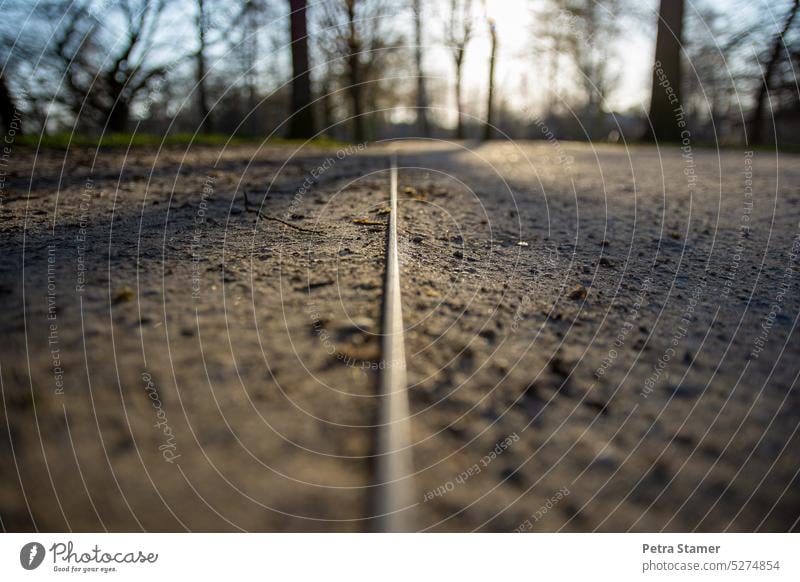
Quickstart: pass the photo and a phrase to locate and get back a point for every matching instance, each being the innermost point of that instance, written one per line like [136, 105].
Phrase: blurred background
[600, 70]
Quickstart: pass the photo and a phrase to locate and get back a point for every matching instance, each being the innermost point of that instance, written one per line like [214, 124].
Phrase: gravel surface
[598, 337]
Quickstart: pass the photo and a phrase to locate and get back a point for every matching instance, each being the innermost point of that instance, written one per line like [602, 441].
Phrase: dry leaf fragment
[368, 222]
[578, 292]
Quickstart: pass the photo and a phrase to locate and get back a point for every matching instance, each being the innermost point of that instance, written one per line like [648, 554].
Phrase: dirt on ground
[598, 337]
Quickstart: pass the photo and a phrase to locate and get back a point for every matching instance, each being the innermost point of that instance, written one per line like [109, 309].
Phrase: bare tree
[714, 41]
[201, 20]
[8, 104]
[217, 23]
[422, 99]
[8, 108]
[233, 39]
[548, 36]
[487, 129]
[458, 33]
[301, 124]
[354, 48]
[359, 40]
[580, 33]
[756, 125]
[20, 50]
[254, 12]
[326, 100]
[666, 90]
[101, 84]
[342, 17]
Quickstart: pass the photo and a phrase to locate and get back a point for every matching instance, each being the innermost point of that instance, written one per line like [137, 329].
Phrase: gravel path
[598, 337]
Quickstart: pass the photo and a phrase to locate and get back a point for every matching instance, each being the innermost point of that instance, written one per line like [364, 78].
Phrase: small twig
[289, 224]
[275, 218]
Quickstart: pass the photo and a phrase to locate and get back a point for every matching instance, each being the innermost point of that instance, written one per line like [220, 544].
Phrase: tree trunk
[459, 106]
[755, 136]
[665, 101]
[422, 98]
[554, 56]
[251, 55]
[301, 124]
[9, 114]
[487, 129]
[206, 123]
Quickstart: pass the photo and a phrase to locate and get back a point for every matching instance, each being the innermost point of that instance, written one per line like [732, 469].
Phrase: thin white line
[394, 467]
